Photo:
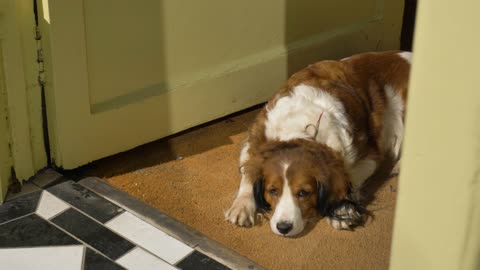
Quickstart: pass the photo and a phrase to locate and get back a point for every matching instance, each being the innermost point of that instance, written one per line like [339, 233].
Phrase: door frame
[437, 217]
[5, 154]
[23, 141]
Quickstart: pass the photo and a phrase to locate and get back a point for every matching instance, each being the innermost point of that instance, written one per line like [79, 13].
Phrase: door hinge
[41, 65]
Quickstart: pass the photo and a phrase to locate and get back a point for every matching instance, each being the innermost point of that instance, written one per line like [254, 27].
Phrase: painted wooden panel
[121, 74]
[21, 138]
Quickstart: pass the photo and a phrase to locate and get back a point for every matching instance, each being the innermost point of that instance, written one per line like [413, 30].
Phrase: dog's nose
[284, 227]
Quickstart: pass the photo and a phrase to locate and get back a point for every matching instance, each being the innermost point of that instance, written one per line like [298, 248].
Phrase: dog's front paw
[347, 216]
[242, 211]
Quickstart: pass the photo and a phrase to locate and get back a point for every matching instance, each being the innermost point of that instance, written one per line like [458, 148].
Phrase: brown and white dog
[319, 138]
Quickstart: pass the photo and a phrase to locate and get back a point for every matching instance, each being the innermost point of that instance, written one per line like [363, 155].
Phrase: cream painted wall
[437, 221]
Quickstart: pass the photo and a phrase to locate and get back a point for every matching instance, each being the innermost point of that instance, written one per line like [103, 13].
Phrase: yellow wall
[437, 223]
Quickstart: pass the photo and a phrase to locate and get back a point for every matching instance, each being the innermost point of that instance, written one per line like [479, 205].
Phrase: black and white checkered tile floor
[68, 226]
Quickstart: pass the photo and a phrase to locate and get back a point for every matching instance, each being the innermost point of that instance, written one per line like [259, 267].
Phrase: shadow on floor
[176, 147]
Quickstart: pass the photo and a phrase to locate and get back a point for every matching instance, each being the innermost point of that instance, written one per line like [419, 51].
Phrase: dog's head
[296, 180]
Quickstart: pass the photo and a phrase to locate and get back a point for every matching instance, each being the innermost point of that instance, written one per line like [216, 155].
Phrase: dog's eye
[303, 194]
[273, 192]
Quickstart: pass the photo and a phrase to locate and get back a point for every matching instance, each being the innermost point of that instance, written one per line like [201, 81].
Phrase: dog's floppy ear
[322, 199]
[258, 193]
[333, 191]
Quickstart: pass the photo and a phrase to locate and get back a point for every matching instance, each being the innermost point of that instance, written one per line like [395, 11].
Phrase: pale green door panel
[123, 73]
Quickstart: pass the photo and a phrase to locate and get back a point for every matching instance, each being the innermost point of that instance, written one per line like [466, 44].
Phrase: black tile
[86, 200]
[94, 261]
[200, 261]
[33, 231]
[93, 233]
[19, 206]
[48, 177]
[54, 182]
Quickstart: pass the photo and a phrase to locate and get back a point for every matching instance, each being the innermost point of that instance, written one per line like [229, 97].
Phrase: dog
[318, 139]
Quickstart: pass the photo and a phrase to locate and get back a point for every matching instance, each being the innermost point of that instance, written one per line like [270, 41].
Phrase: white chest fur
[294, 116]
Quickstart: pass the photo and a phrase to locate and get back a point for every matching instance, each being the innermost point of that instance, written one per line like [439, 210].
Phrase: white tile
[50, 205]
[52, 258]
[150, 238]
[139, 259]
